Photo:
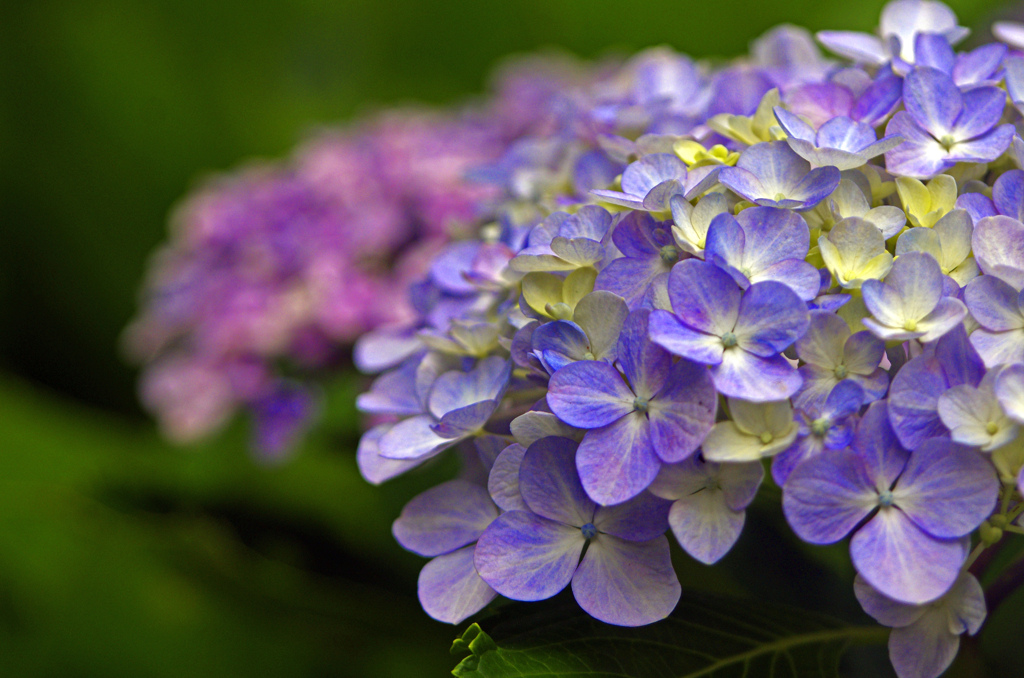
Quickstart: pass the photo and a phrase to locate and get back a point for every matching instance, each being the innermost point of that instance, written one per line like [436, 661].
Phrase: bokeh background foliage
[120, 556]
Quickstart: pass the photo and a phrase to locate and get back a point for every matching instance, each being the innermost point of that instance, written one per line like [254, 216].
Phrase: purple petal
[920, 155]
[826, 496]
[793, 125]
[933, 50]
[617, 462]
[671, 334]
[627, 583]
[455, 390]
[444, 518]
[924, 648]
[999, 348]
[1008, 194]
[845, 134]
[960, 362]
[901, 561]
[559, 343]
[998, 246]
[985, 148]
[771, 317]
[503, 480]
[886, 611]
[977, 205]
[465, 420]
[778, 168]
[983, 107]
[549, 484]
[375, 468]
[643, 517]
[589, 394]
[947, 489]
[450, 589]
[633, 235]
[413, 438]
[751, 377]
[933, 100]
[1009, 389]
[860, 47]
[725, 243]
[644, 174]
[822, 343]
[820, 102]
[878, 100]
[913, 401]
[979, 64]
[526, 557]
[683, 412]
[771, 235]
[393, 392]
[703, 296]
[645, 364]
[796, 274]
[629, 278]
[705, 526]
[878, 447]
[742, 182]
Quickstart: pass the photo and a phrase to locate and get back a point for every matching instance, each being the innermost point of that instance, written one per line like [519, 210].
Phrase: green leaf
[706, 637]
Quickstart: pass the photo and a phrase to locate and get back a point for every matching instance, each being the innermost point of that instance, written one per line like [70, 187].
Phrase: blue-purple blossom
[827, 425]
[999, 311]
[709, 503]
[943, 126]
[915, 391]
[565, 242]
[648, 183]
[841, 142]
[763, 243]
[771, 174]
[998, 245]
[649, 252]
[901, 22]
[921, 507]
[739, 334]
[833, 355]
[624, 577]
[443, 523]
[459, 405]
[925, 638]
[652, 412]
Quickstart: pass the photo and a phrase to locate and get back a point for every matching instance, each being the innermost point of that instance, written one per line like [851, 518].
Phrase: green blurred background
[121, 556]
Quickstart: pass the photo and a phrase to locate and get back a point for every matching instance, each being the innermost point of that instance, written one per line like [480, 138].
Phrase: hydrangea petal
[998, 245]
[589, 394]
[900, 560]
[826, 496]
[671, 334]
[549, 484]
[947, 489]
[705, 526]
[751, 377]
[771, 317]
[704, 297]
[449, 588]
[643, 517]
[683, 412]
[627, 583]
[503, 480]
[932, 100]
[617, 462]
[444, 518]
[525, 557]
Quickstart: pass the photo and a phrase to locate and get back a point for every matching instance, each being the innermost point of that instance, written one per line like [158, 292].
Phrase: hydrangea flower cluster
[273, 271]
[807, 265]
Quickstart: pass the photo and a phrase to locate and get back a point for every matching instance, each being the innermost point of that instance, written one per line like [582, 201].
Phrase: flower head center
[947, 141]
[780, 197]
[910, 325]
[886, 498]
[766, 437]
[992, 428]
[640, 405]
[589, 531]
[669, 254]
[589, 356]
[728, 340]
[840, 372]
[820, 426]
